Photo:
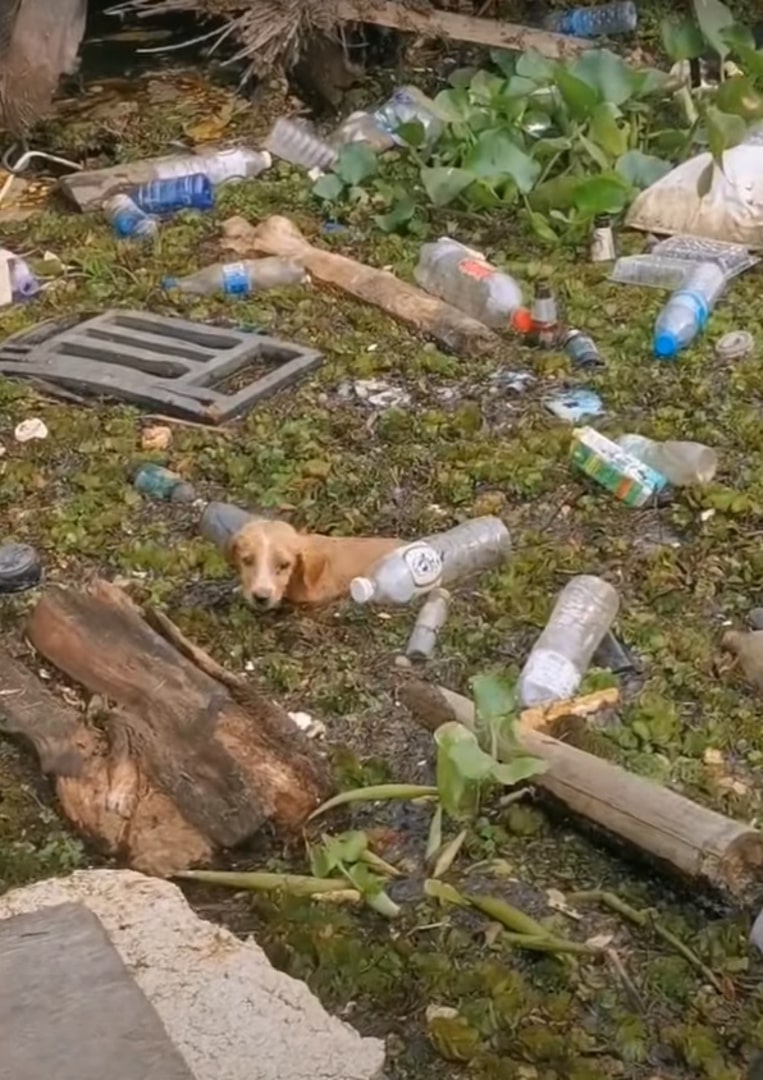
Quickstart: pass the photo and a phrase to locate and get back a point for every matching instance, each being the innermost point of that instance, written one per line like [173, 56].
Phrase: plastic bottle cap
[665, 345]
[362, 590]
[20, 567]
[522, 320]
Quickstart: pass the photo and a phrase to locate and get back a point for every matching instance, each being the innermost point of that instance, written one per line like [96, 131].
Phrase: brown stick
[699, 843]
[278, 236]
[449, 24]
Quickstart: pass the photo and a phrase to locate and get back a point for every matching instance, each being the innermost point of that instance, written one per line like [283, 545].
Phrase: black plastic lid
[20, 568]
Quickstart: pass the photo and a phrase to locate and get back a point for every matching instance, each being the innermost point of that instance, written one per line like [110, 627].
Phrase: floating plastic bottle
[429, 621]
[686, 313]
[626, 476]
[681, 463]
[160, 483]
[582, 615]
[463, 277]
[606, 20]
[221, 521]
[471, 548]
[651, 271]
[128, 220]
[408, 571]
[581, 349]
[241, 278]
[193, 191]
[298, 144]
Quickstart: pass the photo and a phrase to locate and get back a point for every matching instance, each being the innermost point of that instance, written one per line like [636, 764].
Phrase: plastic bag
[732, 210]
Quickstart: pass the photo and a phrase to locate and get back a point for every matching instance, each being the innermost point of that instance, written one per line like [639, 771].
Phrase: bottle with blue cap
[241, 278]
[688, 309]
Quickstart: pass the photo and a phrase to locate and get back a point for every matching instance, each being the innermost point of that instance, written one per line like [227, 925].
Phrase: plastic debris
[575, 405]
[30, 429]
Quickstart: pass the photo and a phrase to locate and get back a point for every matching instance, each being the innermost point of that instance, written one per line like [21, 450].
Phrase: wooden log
[700, 844]
[433, 23]
[228, 762]
[278, 236]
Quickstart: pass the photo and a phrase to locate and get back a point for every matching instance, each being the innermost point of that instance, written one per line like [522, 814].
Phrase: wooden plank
[69, 1008]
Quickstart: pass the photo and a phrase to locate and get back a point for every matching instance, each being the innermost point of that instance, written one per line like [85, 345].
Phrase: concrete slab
[231, 1015]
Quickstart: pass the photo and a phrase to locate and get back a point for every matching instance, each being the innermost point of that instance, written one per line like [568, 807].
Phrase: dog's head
[269, 557]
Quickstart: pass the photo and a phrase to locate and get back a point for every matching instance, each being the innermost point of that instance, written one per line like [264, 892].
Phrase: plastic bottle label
[235, 279]
[424, 564]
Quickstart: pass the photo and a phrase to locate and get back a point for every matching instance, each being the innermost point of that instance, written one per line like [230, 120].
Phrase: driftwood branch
[698, 843]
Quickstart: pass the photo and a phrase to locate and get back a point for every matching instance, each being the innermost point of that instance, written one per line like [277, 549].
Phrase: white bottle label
[555, 673]
[424, 564]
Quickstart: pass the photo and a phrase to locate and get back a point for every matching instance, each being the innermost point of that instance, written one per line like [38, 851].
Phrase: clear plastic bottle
[471, 548]
[591, 22]
[241, 278]
[296, 143]
[651, 271]
[583, 613]
[128, 220]
[688, 309]
[193, 191]
[160, 483]
[429, 621]
[408, 571]
[462, 277]
[681, 463]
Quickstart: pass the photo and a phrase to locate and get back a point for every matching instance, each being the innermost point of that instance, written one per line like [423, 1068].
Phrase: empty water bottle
[160, 483]
[464, 278]
[583, 613]
[128, 220]
[590, 22]
[408, 571]
[193, 191]
[681, 463]
[429, 621]
[296, 143]
[686, 313]
[471, 548]
[241, 278]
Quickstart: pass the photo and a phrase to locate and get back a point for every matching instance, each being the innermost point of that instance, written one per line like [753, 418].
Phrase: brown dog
[275, 561]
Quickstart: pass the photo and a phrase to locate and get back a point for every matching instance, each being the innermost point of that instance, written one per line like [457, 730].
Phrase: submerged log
[187, 763]
[700, 844]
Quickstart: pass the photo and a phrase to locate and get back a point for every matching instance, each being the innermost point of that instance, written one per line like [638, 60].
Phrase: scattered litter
[625, 476]
[681, 463]
[735, 345]
[242, 278]
[602, 240]
[20, 568]
[581, 349]
[160, 483]
[575, 405]
[157, 437]
[463, 277]
[686, 313]
[606, 20]
[314, 729]
[429, 621]
[30, 429]
[296, 142]
[191, 192]
[582, 614]
[380, 395]
[128, 220]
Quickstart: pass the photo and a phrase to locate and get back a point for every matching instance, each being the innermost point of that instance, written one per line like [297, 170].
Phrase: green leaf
[605, 194]
[580, 98]
[610, 78]
[535, 66]
[739, 96]
[400, 213]
[356, 163]
[444, 183]
[723, 132]
[681, 38]
[497, 154]
[642, 170]
[518, 769]
[605, 130]
[328, 187]
[713, 18]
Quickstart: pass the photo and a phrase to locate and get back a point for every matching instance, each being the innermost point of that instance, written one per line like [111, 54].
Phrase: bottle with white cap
[408, 571]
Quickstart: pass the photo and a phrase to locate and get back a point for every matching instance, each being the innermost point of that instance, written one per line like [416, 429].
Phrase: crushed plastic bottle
[471, 548]
[408, 571]
[429, 621]
[298, 144]
[160, 483]
[463, 277]
[589, 22]
[688, 309]
[651, 271]
[681, 463]
[193, 191]
[128, 220]
[583, 613]
[628, 478]
[241, 278]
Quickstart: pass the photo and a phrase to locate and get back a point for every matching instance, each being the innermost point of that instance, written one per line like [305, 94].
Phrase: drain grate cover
[186, 369]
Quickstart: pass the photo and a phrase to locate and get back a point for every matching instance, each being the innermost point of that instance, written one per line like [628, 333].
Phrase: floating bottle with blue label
[686, 313]
[191, 192]
[590, 22]
[128, 220]
[241, 278]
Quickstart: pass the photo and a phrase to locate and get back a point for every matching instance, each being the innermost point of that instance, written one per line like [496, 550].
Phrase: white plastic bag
[732, 210]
